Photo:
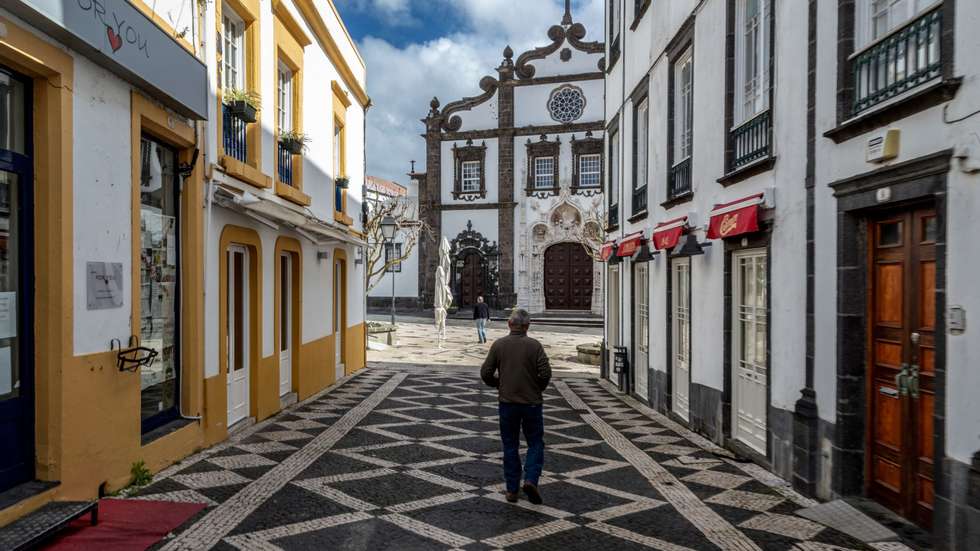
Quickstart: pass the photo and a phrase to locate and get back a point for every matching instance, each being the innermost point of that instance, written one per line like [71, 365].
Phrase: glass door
[16, 274]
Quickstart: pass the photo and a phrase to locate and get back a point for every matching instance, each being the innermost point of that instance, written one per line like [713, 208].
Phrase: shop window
[159, 281]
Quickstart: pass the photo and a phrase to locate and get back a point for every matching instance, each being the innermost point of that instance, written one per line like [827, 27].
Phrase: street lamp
[388, 227]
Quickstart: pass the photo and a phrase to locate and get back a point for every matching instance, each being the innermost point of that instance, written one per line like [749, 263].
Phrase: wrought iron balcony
[640, 199]
[234, 130]
[909, 56]
[285, 164]
[680, 179]
[752, 140]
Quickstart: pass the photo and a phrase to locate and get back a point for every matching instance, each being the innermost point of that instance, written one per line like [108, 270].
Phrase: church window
[471, 176]
[590, 170]
[566, 104]
[470, 181]
[544, 172]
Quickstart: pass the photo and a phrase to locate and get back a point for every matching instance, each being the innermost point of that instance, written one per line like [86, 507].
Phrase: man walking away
[481, 313]
[518, 368]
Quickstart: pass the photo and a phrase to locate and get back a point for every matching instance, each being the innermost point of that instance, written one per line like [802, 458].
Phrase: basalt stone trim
[506, 296]
[531, 130]
[658, 390]
[430, 200]
[705, 411]
[781, 442]
[559, 79]
[922, 180]
[957, 512]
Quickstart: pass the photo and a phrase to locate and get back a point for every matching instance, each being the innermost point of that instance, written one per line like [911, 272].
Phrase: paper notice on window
[6, 372]
[8, 315]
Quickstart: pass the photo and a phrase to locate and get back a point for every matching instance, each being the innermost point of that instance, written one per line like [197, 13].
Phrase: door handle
[901, 380]
[913, 381]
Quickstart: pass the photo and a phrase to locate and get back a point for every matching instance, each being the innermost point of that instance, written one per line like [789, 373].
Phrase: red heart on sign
[114, 39]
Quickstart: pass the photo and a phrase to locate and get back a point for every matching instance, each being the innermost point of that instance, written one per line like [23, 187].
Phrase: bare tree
[410, 230]
[591, 234]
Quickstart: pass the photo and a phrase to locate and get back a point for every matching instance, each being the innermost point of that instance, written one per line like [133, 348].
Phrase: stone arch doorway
[470, 277]
[474, 268]
[567, 277]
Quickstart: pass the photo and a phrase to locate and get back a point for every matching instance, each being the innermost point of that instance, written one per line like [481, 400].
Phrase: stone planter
[589, 354]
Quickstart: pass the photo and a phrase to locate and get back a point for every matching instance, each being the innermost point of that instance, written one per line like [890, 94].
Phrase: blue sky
[417, 49]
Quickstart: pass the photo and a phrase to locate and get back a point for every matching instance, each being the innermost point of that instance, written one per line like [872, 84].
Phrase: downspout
[200, 133]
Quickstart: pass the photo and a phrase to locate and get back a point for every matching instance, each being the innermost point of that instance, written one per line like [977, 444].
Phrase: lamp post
[388, 227]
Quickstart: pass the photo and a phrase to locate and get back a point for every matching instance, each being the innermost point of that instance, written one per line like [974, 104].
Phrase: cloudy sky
[417, 49]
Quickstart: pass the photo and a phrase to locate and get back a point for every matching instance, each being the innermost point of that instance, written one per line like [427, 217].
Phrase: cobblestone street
[410, 459]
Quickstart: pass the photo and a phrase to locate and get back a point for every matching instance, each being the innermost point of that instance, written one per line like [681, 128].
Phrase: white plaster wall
[481, 117]
[787, 249]
[531, 103]
[921, 134]
[484, 221]
[179, 14]
[579, 62]
[490, 165]
[102, 181]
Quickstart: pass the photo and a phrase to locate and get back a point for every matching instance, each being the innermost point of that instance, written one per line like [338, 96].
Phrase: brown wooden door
[902, 367]
[567, 277]
[470, 280]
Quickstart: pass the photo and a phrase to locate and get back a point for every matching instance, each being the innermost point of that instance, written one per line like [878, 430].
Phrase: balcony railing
[234, 130]
[752, 140]
[613, 215]
[285, 164]
[640, 199]
[680, 179]
[338, 198]
[902, 60]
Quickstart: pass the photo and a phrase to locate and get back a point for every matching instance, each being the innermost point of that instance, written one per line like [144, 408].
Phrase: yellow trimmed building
[181, 247]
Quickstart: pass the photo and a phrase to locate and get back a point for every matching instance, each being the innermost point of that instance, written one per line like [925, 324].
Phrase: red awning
[735, 218]
[607, 250]
[630, 244]
[667, 234]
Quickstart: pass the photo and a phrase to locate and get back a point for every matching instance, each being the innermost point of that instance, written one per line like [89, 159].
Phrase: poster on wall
[8, 315]
[104, 281]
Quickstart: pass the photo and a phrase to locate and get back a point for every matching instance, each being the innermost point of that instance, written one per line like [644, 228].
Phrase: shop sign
[667, 234]
[630, 244]
[735, 218]
[123, 39]
[607, 250]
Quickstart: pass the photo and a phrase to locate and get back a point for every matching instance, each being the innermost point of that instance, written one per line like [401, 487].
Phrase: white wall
[490, 168]
[103, 188]
[531, 103]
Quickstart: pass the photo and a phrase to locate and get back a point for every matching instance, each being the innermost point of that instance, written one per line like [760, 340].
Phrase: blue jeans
[481, 329]
[513, 418]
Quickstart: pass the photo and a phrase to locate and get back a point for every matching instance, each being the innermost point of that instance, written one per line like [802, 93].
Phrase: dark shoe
[511, 497]
[532, 493]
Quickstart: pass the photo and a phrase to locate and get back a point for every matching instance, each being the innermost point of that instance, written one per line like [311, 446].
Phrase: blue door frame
[17, 412]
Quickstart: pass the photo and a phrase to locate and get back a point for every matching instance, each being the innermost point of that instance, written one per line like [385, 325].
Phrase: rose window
[566, 104]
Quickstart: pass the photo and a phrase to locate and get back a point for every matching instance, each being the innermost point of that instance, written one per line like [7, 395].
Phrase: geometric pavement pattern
[401, 460]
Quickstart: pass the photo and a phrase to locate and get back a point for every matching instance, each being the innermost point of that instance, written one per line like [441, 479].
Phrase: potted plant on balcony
[242, 104]
[293, 141]
[343, 182]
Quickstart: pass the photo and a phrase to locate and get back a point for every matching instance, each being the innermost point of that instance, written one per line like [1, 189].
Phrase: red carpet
[125, 525]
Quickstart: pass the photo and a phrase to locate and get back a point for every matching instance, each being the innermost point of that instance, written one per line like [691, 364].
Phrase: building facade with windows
[285, 282]
[787, 267]
[147, 233]
[513, 180]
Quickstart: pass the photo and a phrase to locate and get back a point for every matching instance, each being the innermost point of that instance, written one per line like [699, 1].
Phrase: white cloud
[402, 81]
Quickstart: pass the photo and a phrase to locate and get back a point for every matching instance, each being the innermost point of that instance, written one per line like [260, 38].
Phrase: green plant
[293, 136]
[141, 475]
[250, 98]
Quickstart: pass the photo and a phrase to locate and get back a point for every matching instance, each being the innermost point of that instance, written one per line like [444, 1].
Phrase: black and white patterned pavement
[406, 459]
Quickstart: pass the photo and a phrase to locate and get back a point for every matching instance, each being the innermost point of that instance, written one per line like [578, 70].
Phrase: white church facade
[514, 178]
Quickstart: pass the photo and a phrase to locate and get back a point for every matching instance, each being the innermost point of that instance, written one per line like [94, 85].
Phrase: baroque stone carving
[566, 104]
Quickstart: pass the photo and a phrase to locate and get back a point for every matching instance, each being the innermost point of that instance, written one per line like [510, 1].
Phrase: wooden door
[567, 277]
[285, 323]
[641, 328]
[901, 393]
[470, 280]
